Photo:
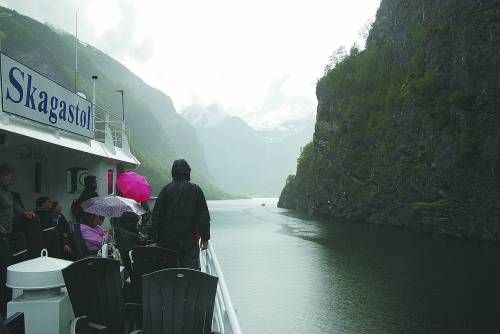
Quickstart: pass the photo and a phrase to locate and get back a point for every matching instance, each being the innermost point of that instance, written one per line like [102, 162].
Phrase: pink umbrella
[134, 186]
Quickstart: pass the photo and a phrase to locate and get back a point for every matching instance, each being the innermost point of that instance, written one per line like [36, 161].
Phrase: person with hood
[181, 218]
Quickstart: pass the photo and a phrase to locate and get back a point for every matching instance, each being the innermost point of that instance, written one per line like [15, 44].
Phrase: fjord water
[292, 274]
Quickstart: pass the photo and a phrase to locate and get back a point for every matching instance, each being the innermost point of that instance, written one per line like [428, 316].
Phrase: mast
[76, 50]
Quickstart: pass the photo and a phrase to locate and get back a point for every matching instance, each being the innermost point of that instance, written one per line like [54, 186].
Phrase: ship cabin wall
[44, 169]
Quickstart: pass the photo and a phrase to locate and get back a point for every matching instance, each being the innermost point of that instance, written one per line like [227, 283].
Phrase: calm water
[288, 274]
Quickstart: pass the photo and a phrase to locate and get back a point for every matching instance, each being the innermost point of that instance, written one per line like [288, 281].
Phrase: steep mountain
[408, 130]
[158, 134]
[243, 160]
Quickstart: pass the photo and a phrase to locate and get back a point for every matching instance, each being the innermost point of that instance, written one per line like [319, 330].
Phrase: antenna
[76, 49]
[123, 104]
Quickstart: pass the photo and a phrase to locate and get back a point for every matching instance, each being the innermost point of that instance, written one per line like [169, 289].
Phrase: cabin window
[110, 182]
[75, 177]
[38, 177]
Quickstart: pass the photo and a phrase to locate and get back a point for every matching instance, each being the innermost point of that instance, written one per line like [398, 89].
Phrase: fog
[258, 60]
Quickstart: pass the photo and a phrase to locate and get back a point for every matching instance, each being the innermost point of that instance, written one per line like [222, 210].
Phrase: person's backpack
[76, 208]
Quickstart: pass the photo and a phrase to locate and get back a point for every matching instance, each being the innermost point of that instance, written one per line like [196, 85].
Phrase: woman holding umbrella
[134, 186]
[124, 212]
[92, 232]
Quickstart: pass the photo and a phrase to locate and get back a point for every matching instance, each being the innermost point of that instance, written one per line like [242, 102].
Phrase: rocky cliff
[408, 130]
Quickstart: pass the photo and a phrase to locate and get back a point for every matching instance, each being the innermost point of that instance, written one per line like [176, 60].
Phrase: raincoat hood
[181, 170]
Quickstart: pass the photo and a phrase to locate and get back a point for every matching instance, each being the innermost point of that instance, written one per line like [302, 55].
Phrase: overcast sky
[257, 59]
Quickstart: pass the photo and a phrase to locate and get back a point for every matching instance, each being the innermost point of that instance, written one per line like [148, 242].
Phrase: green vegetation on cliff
[408, 130]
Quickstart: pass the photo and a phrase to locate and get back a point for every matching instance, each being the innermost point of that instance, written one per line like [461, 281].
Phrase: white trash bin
[45, 304]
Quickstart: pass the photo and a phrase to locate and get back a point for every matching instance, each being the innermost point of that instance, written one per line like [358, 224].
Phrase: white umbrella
[112, 206]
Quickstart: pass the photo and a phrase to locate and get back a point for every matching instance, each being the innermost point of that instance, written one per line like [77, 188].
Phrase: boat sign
[29, 94]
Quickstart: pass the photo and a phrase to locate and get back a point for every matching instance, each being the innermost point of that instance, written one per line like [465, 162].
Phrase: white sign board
[28, 94]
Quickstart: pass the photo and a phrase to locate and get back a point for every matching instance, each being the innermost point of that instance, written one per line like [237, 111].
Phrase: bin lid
[43, 272]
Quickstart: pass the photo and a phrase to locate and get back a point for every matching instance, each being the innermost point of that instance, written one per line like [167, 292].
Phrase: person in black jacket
[10, 202]
[126, 235]
[52, 238]
[90, 191]
[42, 210]
[62, 226]
[181, 217]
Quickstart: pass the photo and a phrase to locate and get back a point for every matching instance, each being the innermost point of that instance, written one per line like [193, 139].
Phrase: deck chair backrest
[5, 261]
[178, 301]
[33, 234]
[18, 247]
[145, 260]
[15, 324]
[13, 249]
[95, 290]
[79, 325]
[52, 241]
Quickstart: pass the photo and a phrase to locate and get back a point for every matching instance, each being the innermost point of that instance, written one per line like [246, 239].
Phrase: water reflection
[287, 273]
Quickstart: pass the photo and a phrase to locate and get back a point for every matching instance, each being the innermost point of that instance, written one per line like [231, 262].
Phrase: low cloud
[60, 13]
[279, 107]
[187, 52]
[110, 26]
[119, 38]
[143, 51]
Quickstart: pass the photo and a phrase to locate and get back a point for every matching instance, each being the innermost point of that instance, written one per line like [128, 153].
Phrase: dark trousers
[189, 252]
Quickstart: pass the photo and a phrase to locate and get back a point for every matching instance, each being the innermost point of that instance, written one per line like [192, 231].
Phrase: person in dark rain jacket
[62, 226]
[181, 217]
[90, 191]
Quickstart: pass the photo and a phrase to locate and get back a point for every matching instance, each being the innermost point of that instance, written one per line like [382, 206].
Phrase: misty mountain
[159, 135]
[247, 161]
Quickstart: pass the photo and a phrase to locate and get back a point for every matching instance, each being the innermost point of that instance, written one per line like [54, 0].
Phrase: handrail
[212, 264]
[102, 119]
[117, 130]
[105, 109]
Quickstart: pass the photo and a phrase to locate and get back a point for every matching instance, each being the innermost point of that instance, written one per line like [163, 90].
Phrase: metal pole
[2, 36]
[123, 116]
[123, 109]
[76, 50]
[123, 104]
[94, 79]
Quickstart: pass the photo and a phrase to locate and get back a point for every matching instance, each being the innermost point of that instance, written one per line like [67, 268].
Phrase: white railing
[225, 320]
[104, 118]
